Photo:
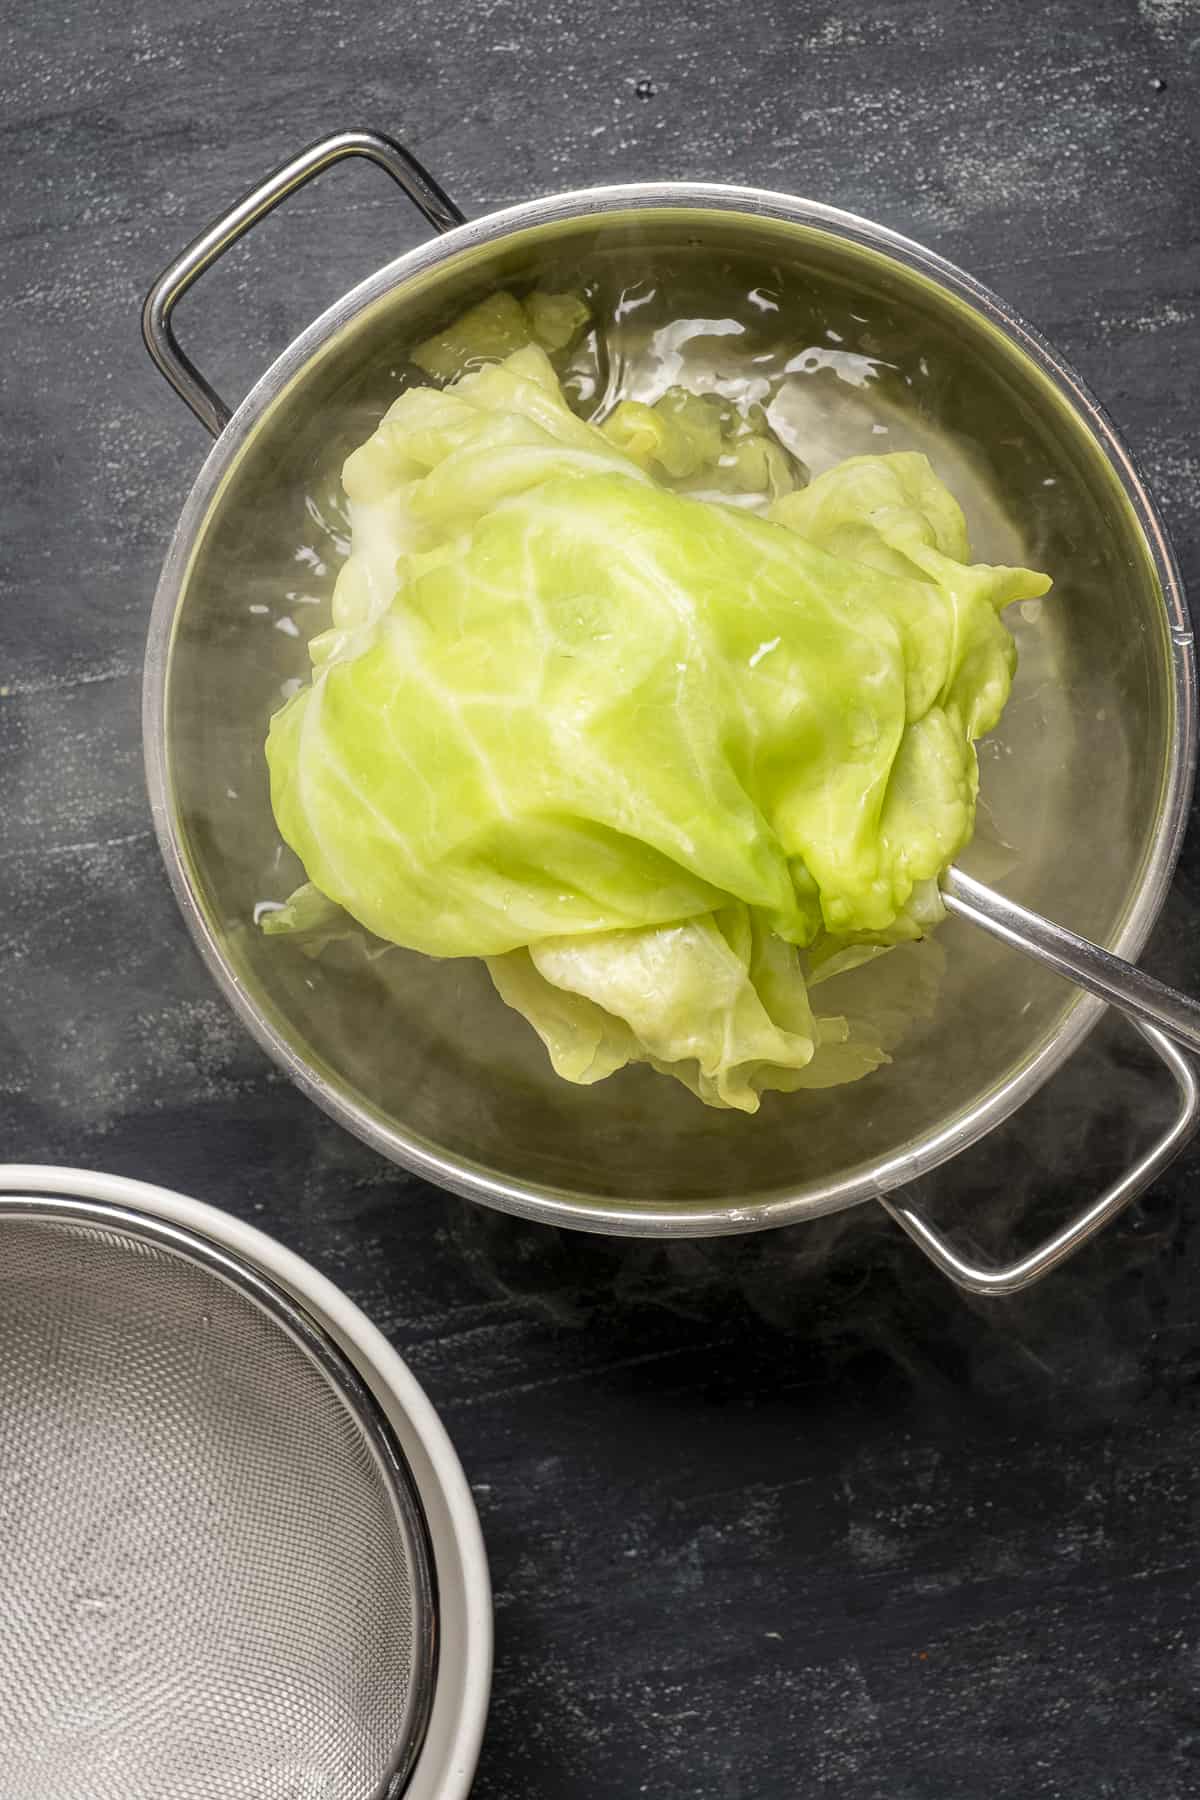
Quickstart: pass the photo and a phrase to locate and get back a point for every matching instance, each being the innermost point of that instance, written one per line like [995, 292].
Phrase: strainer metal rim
[351, 1390]
[439, 1748]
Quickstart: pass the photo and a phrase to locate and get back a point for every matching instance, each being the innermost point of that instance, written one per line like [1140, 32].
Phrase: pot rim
[647, 1217]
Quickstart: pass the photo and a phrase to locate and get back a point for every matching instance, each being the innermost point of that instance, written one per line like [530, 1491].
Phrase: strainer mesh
[206, 1589]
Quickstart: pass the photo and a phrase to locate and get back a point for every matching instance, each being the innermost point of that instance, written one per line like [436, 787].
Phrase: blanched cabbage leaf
[718, 1001]
[700, 442]
[665, 763]
[497, 326]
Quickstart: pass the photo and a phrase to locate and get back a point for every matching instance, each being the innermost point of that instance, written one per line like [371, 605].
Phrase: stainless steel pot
[1086, 785]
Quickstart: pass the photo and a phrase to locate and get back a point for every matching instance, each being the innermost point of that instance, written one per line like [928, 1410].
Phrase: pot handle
[174, 282]
[1011, 1278]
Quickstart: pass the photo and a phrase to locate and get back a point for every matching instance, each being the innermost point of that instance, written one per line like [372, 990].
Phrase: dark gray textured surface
[767, 1519]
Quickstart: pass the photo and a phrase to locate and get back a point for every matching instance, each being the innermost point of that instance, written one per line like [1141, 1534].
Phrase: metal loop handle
[1015, 1276]
[175, 280]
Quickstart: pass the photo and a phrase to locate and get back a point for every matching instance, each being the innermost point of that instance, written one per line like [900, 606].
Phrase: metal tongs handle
[1109, 977]
[1164, 1016]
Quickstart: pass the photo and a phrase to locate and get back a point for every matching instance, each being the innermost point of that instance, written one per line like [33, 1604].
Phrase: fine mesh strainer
[216, 1575]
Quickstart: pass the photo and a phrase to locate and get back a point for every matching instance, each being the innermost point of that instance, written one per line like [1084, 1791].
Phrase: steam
[855, 1300]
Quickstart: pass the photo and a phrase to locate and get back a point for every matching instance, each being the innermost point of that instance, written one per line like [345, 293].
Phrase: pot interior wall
[1072, 782]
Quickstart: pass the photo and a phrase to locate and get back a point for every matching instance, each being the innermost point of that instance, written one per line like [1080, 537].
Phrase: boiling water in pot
[842, 368]
[832, 387]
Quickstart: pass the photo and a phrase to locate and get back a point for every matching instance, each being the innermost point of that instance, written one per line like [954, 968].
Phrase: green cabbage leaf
[701, 443]
[499, 325]
[670, 766]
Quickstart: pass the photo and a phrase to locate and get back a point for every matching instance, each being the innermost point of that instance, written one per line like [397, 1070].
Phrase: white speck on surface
[1156, 318]
[764, 649]
[1167, 17]
[833, 33]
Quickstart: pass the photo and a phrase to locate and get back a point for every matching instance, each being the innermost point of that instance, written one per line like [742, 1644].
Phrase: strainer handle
[174, 282]
[1010, 1279]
